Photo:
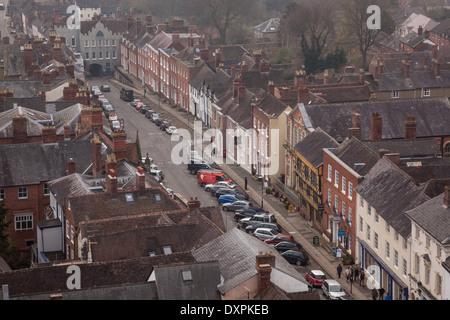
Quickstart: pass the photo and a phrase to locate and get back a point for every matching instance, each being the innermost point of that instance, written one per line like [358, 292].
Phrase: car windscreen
[335, 288]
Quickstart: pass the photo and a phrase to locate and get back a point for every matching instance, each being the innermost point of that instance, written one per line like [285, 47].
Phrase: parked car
[315, 278]
[253, 227]
[94, 88]
[221, 184]
[158, 174]
[296, 257]
[257, 218]
[97, 93]
[164, 125]
[235, 205]
[265, 233]
[223, 191]
[243, 213]
[138, 105]
[172, 130]
[109, 110]
[154, 117]
[113, 116]
[287, 245]
[159, 121]
[105, 88]
[193, 168]
[332, 289]
[208, 176]
[134, 102]
[115, 125]
[279, 238]
[143, 109]
[149, 113]
[228, 198]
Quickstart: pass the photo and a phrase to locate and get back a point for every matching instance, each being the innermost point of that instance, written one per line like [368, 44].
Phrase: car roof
[318, 272]
[264, 229]
[332, 281]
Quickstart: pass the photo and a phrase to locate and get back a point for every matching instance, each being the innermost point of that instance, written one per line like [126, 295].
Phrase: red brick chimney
[118, 13]
[236, 84]
[419, 31]
[204, 54]
[52, 36]
[140, 182]
[355, 129]
[436, 67]
[193, 204]
[71, 166]
[447, 196]
[28, 57]
[264, 263]
[66, 131]
[119, 144]
[394, 157]
[241, 92]
[381, 153]
[300, 78]
[271, 88]
[19, 124]
[265, 66]
[217, 57]
[257, 57]
[70, 68]
[303, 94]
[46, 77]
[96, 156]
[376, 127]
[49, 134]
[96, 117]
[111, 162]
[244, 66]
[175, 37]
[410, 128]
[111, 183]
[57, 51]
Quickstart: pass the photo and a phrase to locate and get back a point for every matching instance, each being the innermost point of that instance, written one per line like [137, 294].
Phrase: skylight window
[158, 197]
[187, 275]
[129, 197]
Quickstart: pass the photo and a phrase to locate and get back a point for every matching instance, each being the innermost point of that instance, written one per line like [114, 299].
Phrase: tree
[311, 22]
[355, 24]
[6, 247]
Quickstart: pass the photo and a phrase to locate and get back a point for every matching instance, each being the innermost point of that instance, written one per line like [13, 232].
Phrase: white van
[158, 174]
[332, 289]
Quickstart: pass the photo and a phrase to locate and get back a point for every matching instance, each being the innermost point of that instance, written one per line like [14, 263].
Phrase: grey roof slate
[433, 217]
[406, 148]
[311, 147]
[432, 116]
[33, 163]
[391, 192]
[236, 252]
[205, 277]
[356, 155]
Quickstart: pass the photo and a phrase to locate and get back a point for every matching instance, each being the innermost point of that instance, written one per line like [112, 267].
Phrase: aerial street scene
[225, 154]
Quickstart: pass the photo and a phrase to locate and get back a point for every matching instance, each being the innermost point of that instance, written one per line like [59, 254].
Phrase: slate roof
[236, 253]
[267, 103]
[218, 81]
[311, 147]
[433, 217]
[239, 112]
[33, 163]
[356, 155]
[50, 279]
[443, 28]
[425, 169]
[342, 93]
[205, 277]
[391, 193]
[100, 205]
[407, 148]
[431, 116]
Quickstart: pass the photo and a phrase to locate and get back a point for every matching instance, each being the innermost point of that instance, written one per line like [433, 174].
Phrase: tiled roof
[406, 148]
[391, 193]
[335, 119]
[311, 147]
[433, 217]
[356, 155]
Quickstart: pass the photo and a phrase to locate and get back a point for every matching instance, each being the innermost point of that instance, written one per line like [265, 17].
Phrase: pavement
[292, 222]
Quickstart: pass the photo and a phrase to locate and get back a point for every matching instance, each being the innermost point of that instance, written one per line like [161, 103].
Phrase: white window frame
[21, 192]
[20, 218]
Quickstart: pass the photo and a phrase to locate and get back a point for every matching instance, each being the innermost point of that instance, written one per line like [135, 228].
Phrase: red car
[315, 278]
[279, 238]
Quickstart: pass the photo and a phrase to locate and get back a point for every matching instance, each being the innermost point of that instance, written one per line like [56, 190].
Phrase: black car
[296, 257]
[223, 191]
[273, 226]
[194, 167]
[149, 112]
[244, 213]
[143, 109]
[164, 125]
[286, 245]
[213, 189]
[159, 121]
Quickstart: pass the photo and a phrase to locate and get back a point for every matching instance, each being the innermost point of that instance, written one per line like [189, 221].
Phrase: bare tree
[354, 23]
[311, 22]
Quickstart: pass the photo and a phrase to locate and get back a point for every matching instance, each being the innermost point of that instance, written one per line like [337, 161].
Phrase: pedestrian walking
[339, 270]
[374, 294]
[381, 293]
[347, 273]
[356, 273]
[361, 278]
[388, 297]
[246, 182]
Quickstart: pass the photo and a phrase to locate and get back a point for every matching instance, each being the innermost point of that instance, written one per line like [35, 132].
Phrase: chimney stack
[381, 153]
[193, 204]
[96, 156]
[394, 157]
[19, 129]
[271, 88]
[241, 92]
[447, 196]
[111, 183]
[49, 134]
[376, 128]
[217, 57]
[303, 94]
[140, 182]
[71, 166]
[419, 31]
[257, 57]
[264, 263]
[66, 131]
[410, 128]
[28, 57]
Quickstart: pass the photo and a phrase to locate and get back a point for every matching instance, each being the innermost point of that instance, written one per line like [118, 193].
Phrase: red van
[211, 176]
